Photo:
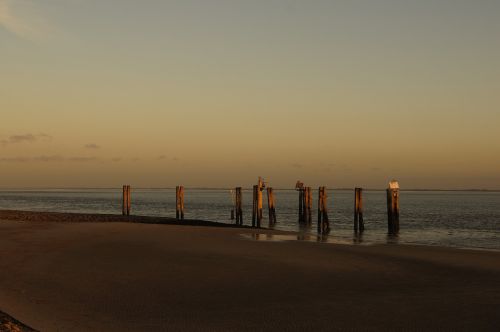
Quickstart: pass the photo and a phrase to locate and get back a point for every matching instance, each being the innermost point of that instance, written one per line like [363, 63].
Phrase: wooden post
[358, 210]
[129, 200]
[304, 205]
[301, 205]
[254, 208]
[271, 206]
[126, 200]
[260, 188]
[238, 207]
[181, 196]
[323, 222]
[179, 203]
[307, 205]
[299, 186]
[309, 208]
[393, 207]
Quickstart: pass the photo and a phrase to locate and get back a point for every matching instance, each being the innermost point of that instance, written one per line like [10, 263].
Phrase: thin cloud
[21, 138]
[14, 159]
[82, 159]
[92, 146]
[47, 159]
[14, 19]
[25, 138]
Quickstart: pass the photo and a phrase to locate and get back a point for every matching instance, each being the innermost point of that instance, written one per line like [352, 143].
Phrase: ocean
[463, 219]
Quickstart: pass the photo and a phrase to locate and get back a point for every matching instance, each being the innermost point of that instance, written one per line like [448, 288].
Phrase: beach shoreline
[115, 276]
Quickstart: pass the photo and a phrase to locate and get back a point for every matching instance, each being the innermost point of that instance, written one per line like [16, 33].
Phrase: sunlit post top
[393, 207]
[393, 184]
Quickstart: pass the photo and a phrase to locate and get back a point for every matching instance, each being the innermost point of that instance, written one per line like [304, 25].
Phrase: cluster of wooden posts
[305, 206]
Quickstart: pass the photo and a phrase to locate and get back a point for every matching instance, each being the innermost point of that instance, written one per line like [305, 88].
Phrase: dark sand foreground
[57, 276]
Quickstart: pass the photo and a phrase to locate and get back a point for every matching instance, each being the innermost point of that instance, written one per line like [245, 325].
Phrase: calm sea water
[457, 219]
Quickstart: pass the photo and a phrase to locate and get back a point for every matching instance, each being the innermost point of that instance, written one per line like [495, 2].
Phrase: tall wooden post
[129, 200]
[309, 208]
[299, 186]
[271, 206]
[393, 207]
[304, 205]
[254, 207]
[323, 222]
[307, 205]
[301, 205]
[260, 188]
[126, 200]
[238, 207]
[359, 224]
[181, 194]
[179, 203]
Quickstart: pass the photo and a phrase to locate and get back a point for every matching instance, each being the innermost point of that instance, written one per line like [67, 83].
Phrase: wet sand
[98, 276]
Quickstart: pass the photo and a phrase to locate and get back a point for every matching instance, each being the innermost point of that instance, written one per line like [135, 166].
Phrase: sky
[100, 93]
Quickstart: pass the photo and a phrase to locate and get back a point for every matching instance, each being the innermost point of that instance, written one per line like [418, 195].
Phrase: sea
[461, 219]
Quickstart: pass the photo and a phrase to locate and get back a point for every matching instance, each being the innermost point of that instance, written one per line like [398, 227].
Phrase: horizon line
[232, 188]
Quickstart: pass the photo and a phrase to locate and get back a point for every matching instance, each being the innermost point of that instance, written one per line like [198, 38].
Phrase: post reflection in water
[392, 238]
[357, 238]
[322, 238]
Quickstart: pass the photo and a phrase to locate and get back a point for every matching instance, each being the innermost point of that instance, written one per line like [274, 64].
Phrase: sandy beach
[58, 275]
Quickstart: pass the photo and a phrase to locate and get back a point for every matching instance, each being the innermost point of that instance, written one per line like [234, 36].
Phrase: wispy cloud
[82, 159]
[25, 138]
[47, 159]
[92, 146]
[13, 18]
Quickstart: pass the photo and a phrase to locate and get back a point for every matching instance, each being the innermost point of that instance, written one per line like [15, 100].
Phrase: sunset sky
[214, 93]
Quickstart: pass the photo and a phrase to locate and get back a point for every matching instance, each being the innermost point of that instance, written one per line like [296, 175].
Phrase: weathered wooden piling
[179, 203]
[306, 205]
[393, 207]
[271, 206]
[257, 203]
[126, 200]
[310, 203]
[301, 205]
[359, 224]
[260, 188]
[254, 205]
[323, 222]
[299, 186]
[238, 206]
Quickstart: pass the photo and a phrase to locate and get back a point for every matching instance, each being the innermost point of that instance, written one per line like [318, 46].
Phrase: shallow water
[456, 219]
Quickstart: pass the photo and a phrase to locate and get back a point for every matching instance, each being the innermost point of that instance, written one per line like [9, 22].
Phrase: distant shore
[77, 272]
